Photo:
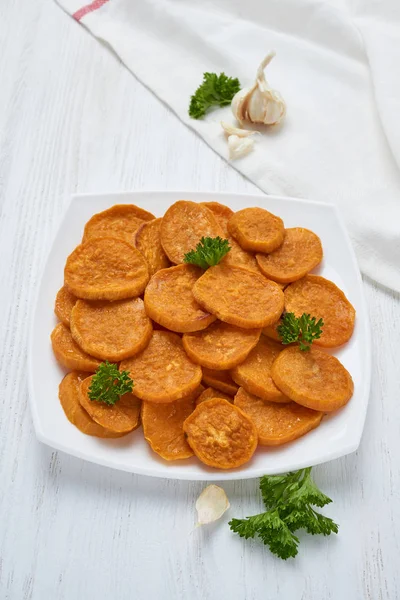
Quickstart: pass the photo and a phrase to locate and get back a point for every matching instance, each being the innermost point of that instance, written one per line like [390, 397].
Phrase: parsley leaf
[289, 500]
[271, 529]
[109, 384]
[215, 90]
[276, 488]
[209, 252]
[304, 329]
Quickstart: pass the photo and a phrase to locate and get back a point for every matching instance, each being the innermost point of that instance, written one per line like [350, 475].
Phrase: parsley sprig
[109, 384]
[289, 500]
[215, 90]
[304, 329]
[209, 252]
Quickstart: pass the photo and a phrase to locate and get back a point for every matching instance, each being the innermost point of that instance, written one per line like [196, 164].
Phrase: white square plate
[338, 434]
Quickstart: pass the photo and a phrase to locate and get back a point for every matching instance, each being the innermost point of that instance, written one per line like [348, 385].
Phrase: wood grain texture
[73, 119]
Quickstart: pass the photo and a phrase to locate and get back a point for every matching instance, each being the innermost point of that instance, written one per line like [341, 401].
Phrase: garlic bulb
[239, 147]
[259, 103]
[211, 504]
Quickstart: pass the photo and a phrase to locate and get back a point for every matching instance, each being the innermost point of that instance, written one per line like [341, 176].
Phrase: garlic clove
[238, 103]
[211, 504]
[275, 107]
[239, 147]
[266, 107]
[232, 130]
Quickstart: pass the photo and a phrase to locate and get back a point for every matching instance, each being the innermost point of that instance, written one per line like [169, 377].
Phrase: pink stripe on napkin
[88, 9]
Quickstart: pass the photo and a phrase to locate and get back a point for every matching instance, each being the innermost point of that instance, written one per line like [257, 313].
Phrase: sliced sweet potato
[220, 434]
[120, 221]
[68, 353]
[65, 302]
[239, 297]
[300, 252]
[271, 331]
[220, 380]
[314, 379]
[277, 424]
[68, 393]
[121, 417]
[281, 285]
[163, 372]
[170, 302]
[254, 373]
[184, 224]
[222, 213]
[210, 393]
[237, 257]
[148, 241]
[221, 346]
[321, 298]
[106, 269]
[256, 229]
[111, 330]
[163, 427]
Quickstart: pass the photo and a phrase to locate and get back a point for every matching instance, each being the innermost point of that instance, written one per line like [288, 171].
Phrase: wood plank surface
[72, 118]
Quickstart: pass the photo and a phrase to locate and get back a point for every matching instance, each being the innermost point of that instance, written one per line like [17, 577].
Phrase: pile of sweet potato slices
[211, 376]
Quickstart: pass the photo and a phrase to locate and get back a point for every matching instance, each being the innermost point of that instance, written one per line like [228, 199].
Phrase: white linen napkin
[336, 66]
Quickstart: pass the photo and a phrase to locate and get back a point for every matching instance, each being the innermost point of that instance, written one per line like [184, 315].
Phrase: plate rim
[225, 475]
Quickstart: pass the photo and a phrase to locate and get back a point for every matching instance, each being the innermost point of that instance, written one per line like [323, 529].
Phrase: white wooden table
[73, 119]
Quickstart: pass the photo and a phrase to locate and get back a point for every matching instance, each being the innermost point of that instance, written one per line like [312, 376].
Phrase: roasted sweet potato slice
[210, 393]
[237, 257]
[106, 269]
[68, 393]
[163, 427]
[120, 221]
[184, 224]
[314, 379]
[239, 297]
[300, 252]
[65, 302]
[221, 346]
[121, 417]
[321, 298]
[254, 373]
[68, 353]
[170, 302]
[271, 331]
[256, 229]
[163, 372]
[220, 380]
[148, 241]
[222, 213]
[220, 434]
[111, 330]
[277, 424]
